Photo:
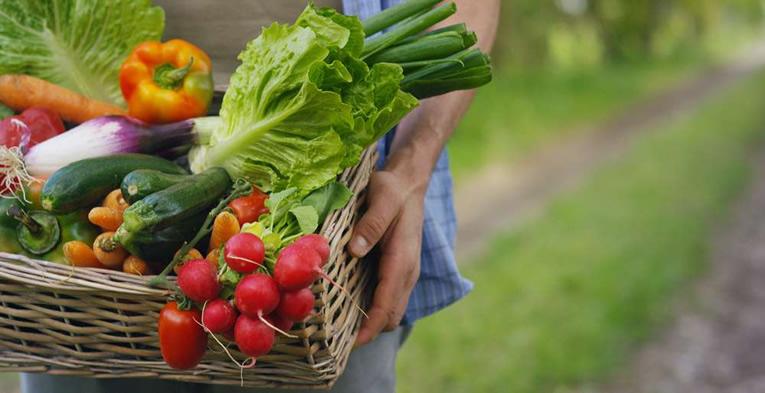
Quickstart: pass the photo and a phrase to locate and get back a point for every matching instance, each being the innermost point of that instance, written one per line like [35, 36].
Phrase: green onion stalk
[434, 62]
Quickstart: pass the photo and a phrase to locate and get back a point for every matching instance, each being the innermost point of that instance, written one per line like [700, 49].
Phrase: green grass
[564, 300]
[523, 109]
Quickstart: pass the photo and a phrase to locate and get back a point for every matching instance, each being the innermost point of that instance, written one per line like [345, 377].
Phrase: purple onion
[105, 136]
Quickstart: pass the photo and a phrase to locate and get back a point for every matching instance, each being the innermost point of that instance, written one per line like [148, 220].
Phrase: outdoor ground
[715, 342]
[562, 301]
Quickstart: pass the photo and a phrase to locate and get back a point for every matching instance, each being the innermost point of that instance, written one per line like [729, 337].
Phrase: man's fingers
[398, 271]
[382, 208]
[372, 326]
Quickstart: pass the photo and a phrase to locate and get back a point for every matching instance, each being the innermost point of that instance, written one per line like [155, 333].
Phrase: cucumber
[171, 206]
[144, 182]
[84, 183]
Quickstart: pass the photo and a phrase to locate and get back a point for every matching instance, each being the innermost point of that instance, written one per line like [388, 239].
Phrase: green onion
[468, 55]
[396, 14]
[404, 30]
[460, 28]
[413, 65]
[436, 46]
[430, 88]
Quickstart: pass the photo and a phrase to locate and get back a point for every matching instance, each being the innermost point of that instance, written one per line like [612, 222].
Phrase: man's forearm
[423, 134]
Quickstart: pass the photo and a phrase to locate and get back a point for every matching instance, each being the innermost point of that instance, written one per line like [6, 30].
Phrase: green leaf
[5, 111]
[78, 44]
[279, 203]
[307, 218]
[332, 196]
[276, 199]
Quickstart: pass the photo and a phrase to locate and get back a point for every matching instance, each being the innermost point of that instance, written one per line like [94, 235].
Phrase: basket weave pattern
[103, 324]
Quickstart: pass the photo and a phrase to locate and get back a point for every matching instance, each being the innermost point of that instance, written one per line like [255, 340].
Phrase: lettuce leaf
[302, 105]
[78, 44]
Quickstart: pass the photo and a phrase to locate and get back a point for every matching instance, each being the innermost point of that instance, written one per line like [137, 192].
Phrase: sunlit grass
[523, 109]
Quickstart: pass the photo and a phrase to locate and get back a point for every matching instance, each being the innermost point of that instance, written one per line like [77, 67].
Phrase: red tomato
[44, 123]
[13, 130]
[182, 340]
[249, 208]
[38, 124]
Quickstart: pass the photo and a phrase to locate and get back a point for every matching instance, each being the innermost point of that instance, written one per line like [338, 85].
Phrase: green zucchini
[173, 205]
[144, 182]
[159, 247]
[84, 183]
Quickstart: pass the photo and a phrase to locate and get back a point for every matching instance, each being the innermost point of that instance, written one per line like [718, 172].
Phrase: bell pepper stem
[21, 216]
[169, 77]
[241, 188]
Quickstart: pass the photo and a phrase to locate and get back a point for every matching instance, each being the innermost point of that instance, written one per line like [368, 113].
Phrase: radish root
[13, 173]
[245, 260]
[247, 363]
[265, 321]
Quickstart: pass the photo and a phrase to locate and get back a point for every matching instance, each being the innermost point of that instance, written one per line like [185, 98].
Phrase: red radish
[297, 267]
[256, 295]
[198, 280]
[280, 322]
[297, 305]
[317, 243]
[244, 252]
[253, 337]
[230, 334]
[218, 316]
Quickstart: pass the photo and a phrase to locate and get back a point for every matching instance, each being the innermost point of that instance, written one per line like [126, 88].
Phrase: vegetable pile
[143, 182]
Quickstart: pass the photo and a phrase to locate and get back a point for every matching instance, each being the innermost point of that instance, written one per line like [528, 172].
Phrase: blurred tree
[534, 32]
[627, 28]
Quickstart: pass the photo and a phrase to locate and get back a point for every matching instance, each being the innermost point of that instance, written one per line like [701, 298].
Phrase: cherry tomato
[182, 340]
[249, 208]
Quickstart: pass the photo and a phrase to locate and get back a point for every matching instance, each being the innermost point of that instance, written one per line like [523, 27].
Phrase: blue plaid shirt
[440, 283]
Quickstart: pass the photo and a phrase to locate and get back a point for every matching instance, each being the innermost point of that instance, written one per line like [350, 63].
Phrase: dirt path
[510, 195]
[716, 344]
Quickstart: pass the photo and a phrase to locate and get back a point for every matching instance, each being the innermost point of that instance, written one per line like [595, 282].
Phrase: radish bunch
[263, 304]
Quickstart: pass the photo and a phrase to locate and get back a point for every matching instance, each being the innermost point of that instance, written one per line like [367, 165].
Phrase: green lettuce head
[77, 44]
[302, 106]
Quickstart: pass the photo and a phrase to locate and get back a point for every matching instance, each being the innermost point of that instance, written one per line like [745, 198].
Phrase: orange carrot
[115, 201]
[135, 265]
[79, 254]
[225, 226]
[108, 252]
[105, 217]
[213, 256]
[20, 92]
[34, 193]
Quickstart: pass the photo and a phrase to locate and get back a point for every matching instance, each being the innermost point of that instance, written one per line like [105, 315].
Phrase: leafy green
[302, 105]
[5, 111]
[306, 217]
[290, 216]
[78, 44]
[332, 196]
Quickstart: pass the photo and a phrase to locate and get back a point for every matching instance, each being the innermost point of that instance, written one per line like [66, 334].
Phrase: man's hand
[394, 219]
[396, 194]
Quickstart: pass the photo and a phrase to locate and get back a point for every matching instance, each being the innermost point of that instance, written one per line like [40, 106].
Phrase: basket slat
[102, 324]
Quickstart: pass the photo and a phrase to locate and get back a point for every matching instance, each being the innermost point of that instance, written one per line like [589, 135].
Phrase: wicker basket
[103, 324]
